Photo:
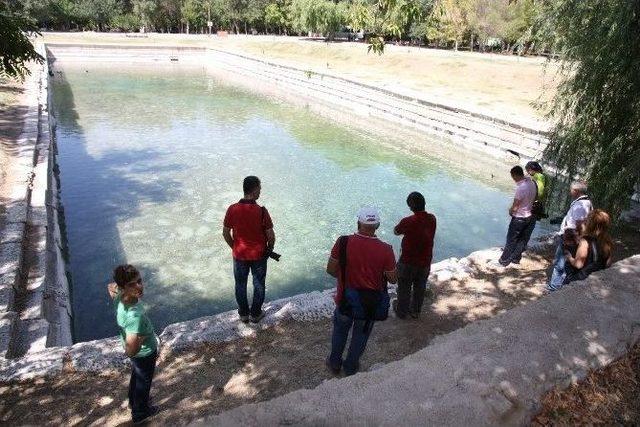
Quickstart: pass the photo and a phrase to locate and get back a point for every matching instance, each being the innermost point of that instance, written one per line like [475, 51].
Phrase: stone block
[98, 355]
[16, 211]
[30, 336]
[30, 303]
[43, 363]
[13, 232]
[10, 258]
[7, 321]
[6, 298]
[38, 215]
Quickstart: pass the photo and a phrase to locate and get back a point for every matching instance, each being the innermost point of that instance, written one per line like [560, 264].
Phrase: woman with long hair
[595, 248]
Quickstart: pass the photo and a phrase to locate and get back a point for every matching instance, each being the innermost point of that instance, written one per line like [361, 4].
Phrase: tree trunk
[471, 43]
[455, 46]
[245, 28]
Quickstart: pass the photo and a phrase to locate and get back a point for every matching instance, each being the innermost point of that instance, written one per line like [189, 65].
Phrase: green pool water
[151, 158]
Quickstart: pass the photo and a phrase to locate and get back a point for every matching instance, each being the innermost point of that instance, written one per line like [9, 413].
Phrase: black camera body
[271, 254]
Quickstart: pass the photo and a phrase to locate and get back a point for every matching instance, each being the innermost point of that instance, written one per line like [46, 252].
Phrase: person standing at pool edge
[138, 337]
[363, 265]
[522, 221]
[248, 230]
[414, 265]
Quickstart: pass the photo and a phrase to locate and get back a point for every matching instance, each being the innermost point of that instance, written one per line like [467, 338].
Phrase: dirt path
[290, 356]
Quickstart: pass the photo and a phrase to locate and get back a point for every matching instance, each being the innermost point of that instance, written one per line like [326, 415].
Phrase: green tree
[597, 106]
[382, 19]
[16, 50]
[97, 14]
[274, 17]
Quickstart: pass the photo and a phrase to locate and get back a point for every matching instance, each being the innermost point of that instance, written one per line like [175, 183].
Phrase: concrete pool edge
[106, 354]
[38, 314]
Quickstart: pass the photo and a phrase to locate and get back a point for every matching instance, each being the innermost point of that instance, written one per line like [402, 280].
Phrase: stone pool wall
[35, 305]
[470, 130]
[105, 354]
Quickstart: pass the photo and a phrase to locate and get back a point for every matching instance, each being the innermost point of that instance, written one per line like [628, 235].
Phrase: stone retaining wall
[35, 303]
[471, 130]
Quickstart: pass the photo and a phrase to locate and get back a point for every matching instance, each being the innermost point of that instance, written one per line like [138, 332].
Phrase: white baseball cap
[368, 215]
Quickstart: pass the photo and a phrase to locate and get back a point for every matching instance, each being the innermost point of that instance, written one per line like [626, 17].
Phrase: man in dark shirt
[414, 265]
[252, 236]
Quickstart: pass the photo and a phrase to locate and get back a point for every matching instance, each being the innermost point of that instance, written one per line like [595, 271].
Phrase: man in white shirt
[575, 217]
[522, 221]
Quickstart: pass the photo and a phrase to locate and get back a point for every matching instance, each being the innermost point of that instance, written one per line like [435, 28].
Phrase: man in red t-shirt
[370, 265]
[414, 264]
[248, 230]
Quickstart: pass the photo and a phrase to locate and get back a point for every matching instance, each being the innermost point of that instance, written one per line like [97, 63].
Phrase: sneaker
[496, 264]
[244, 319]
[153, 410]
[256, 319]
[331, 369]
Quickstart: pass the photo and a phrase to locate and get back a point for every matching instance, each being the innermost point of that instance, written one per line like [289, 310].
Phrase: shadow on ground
[216, 377]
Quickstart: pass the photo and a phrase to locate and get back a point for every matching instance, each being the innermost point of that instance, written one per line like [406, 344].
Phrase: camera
[269, 253]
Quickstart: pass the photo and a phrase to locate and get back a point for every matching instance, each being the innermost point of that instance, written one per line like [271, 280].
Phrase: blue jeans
[559, 272]
[142, 369]
[518, 236]
[359, 337]
[241, 274]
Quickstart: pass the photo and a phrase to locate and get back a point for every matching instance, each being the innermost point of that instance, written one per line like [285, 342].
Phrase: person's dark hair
[517, 171]
[125, 274]
[415, 201]
[534, 166]
[250, 183]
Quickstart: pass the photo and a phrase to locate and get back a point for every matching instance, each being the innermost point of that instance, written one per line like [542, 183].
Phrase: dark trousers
[241, 274]
[142, 369]
[412, 282]
[518, 236]
[360, 332]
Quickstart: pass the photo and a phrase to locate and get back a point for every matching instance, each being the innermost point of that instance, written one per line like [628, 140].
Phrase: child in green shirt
[138, 338]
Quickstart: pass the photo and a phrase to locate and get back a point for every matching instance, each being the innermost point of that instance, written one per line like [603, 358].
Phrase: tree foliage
[597, 106]
[16, 50]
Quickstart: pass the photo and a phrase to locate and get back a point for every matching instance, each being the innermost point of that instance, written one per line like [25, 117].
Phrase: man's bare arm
[391, 276]
[133, 343]
[514, 206]
[271, 238]
[332, 267]
[226, 233]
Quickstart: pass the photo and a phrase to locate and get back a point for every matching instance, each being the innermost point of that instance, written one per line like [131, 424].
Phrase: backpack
[361, 304]
[537, 209]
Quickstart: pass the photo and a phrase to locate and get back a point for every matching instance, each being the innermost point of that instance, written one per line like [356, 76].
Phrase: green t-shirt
[132, 319]
[541, 181]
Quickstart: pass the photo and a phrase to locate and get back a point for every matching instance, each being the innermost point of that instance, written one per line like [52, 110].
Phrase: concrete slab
[98, 355]
[491, 372]
[7, 321]
[10, 258]
[39, 364]
[30, 336]
[12, 232]
[6, 298]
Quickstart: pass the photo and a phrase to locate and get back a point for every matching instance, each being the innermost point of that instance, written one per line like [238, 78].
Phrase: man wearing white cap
[363, 265]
